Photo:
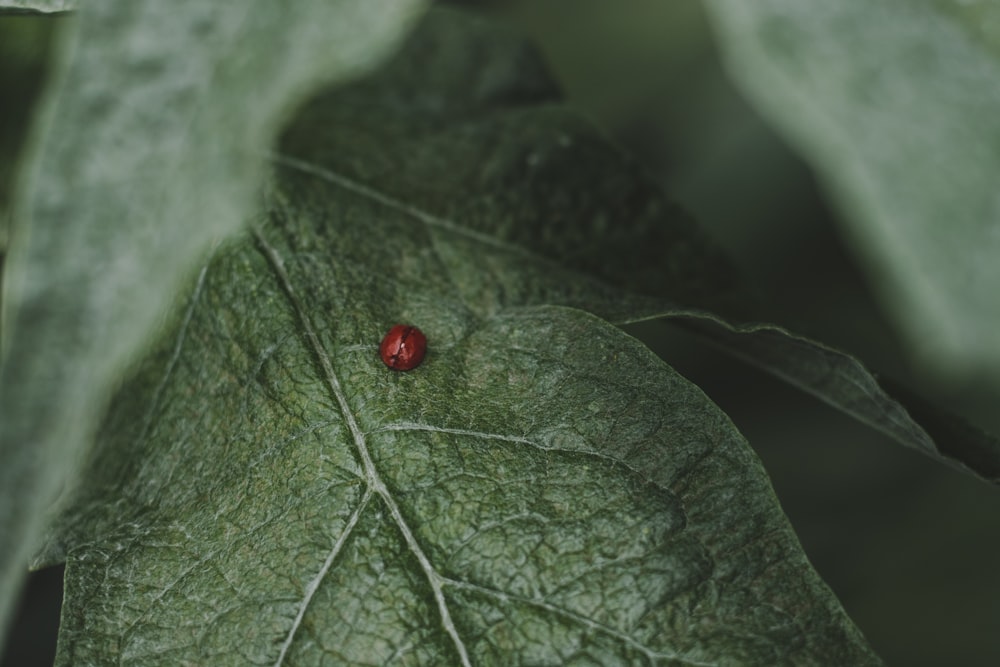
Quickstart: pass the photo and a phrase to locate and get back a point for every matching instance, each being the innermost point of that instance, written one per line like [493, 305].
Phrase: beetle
[403, 347]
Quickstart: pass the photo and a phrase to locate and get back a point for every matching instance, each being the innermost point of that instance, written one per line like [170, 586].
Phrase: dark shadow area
[31, 641]
[907, 544]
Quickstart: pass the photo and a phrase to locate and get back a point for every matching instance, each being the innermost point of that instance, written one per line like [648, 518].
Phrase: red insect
[403, 347]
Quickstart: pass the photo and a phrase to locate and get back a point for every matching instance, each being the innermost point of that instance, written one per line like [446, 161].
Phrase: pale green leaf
[896, 105]
[24, 54]
[37, 6]
[150, 155]
[542, 490]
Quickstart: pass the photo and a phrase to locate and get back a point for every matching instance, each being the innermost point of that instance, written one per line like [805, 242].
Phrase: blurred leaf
[37, 6]
[24, 57]
[542, 489]
[150, 157]
[897, 105]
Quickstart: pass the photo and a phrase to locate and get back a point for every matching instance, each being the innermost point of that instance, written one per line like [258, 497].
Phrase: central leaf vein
[374, 480]
[313, 585]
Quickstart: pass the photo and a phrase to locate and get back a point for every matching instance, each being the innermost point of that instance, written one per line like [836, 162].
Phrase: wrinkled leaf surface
[541, 490]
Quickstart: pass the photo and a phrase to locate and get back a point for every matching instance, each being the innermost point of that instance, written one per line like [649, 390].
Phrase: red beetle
[403, 347]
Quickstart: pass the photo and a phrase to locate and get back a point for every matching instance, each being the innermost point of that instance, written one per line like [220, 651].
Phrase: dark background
[909, 546]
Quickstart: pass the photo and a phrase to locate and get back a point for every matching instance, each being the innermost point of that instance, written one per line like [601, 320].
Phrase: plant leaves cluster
[542, 490]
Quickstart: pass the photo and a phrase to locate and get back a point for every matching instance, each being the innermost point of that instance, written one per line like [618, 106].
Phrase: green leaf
[539, 183]
[896, 106]
[520, 495]
[481, 139]
[24, 55]
[36, 6]
[843, 382]
[542, 490]
[150, 156]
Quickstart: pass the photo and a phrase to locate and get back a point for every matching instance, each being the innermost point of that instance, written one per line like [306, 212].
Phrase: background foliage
[905, 543]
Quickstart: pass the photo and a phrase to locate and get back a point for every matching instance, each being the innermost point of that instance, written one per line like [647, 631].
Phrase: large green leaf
[542, 490]
[151, 154]
[897, 106]
[269, 490]
[483, 142]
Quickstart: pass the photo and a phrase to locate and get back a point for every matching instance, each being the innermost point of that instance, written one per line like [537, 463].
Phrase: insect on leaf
[542, 489]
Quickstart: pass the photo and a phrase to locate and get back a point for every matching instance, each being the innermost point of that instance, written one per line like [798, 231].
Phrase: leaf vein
[413, 426]
[313, 584]
[589, 623]
[366, 191]
[376, 484]
[175, 355]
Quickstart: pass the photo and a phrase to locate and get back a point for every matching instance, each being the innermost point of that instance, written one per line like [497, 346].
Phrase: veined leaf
[150, 156]
[843, 382]
[474, 137]
[541, 490]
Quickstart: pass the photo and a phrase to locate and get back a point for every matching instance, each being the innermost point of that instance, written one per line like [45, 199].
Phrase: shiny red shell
[403, 348]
